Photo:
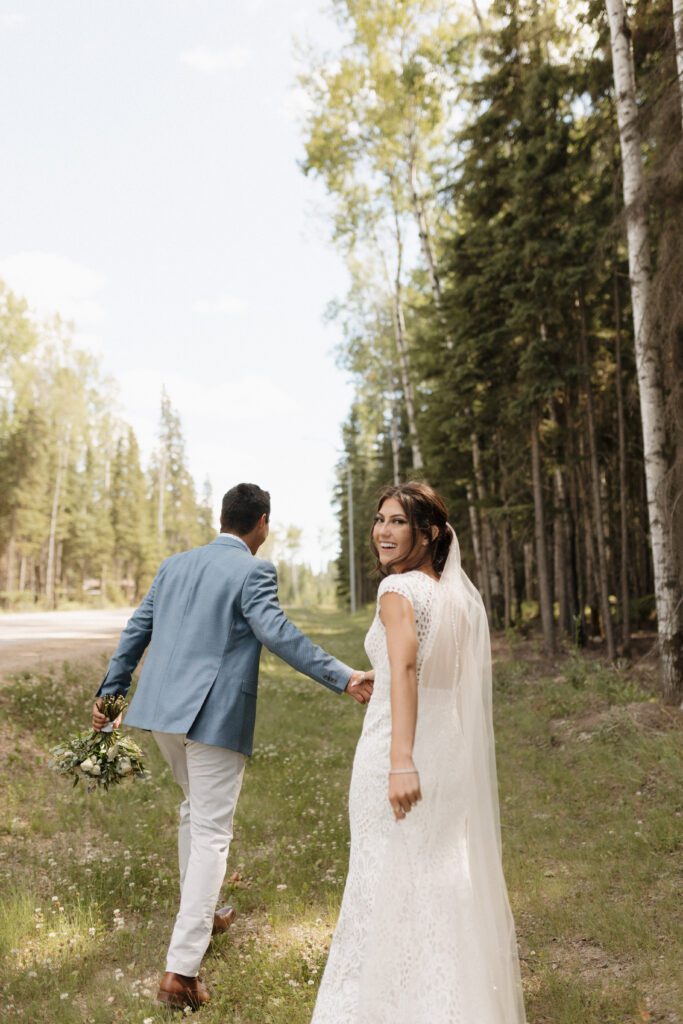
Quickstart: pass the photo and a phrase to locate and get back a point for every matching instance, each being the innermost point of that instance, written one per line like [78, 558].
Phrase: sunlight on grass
[34, 934]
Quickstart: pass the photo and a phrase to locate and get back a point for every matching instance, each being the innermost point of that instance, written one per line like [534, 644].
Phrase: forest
[505, 186]
[79, 516]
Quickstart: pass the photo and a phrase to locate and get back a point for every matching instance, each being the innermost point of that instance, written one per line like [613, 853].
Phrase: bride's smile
[392, 534]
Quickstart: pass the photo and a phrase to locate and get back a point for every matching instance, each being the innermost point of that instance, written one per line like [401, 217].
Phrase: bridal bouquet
[102, 759]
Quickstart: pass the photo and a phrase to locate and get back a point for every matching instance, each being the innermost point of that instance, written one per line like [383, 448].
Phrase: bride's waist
[428, 696]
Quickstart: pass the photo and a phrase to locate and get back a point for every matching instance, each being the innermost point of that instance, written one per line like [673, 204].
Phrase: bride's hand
[404, 792]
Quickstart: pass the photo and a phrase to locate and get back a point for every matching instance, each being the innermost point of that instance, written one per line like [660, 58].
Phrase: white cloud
[222, 305]
[210, 62]
[11, 19]
[202, 400]
[51, 284]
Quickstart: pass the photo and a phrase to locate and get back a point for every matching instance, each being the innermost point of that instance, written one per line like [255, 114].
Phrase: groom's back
[200, 638]
[194, 608]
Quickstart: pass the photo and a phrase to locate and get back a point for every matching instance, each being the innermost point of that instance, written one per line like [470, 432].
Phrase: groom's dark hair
[242, 508]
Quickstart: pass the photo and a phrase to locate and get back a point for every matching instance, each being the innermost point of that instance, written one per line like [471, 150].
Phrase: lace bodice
[418, 588]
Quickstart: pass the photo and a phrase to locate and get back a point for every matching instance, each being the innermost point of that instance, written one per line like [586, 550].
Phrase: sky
[150, 193]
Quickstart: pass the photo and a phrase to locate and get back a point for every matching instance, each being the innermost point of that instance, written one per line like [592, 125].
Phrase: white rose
[95, 770]
[86, 765]
[124, 766]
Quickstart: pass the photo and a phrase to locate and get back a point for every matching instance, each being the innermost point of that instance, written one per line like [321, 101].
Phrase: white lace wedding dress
[413, 944]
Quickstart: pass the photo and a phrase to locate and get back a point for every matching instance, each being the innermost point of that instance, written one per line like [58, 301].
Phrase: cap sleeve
[395, 584]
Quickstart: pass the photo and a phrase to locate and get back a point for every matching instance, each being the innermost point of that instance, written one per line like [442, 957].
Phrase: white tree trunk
[423, 230]
[402, 349]
[648, 357]
[11, 558]
[395, 448]
[678, 36]
[50, 573]
[477, 14]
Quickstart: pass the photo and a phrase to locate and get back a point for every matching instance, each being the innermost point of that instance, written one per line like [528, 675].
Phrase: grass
[591, 785]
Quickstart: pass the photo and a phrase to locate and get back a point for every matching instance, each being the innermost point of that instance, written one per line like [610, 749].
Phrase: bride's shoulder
[413, 585]
[396, 583]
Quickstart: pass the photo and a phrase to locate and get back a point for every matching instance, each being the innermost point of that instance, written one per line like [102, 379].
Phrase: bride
[425, 934]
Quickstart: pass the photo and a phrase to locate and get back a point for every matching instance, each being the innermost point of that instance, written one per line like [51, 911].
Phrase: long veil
[460, 659]
[442, 943]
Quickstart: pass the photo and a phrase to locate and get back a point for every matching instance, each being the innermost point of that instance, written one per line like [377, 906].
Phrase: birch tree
[678, 39]
[648, 357]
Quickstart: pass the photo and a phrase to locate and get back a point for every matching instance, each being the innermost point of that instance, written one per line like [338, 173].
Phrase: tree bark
[395, 448]
[529, 571]
[423, 231]
[623, 480]
[477, 14]
[506, 555]
[482, 580]
[678, 37]
[11, 557]
[402, 348]
[668, 589]
[578, 565]
[508, 613]
[545, 599]
[561, 555]
[488, 547]
[52, 538]
[596, 497]
[162, 493]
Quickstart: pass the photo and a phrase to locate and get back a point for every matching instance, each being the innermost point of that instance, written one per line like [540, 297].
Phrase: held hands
[99, 720]
[404, 790]
[359, 686]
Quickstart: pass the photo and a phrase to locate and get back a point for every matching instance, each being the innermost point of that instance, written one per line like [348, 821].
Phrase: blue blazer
[205, 618]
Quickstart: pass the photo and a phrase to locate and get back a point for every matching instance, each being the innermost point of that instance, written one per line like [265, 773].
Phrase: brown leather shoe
[178, 991]
[222, 920]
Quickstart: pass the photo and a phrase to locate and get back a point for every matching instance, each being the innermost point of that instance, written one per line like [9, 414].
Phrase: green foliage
[473, 172]
[78, 514]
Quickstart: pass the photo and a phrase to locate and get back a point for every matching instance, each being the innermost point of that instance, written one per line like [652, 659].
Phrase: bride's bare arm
[404, 783]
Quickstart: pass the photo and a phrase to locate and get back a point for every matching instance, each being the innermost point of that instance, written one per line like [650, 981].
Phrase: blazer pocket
[250, 686]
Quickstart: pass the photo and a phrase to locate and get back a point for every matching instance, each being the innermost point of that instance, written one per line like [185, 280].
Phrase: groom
[205, 618]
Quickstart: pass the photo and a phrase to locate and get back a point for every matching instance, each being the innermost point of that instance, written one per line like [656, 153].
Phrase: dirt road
[35, 639]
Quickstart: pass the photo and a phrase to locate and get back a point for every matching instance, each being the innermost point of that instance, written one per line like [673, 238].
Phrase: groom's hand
[99, 720]
[359, 687]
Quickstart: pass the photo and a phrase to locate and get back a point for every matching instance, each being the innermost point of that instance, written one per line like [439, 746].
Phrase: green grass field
[591, 786]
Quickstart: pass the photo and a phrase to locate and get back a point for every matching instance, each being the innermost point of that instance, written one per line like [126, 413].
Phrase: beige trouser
[211, 779]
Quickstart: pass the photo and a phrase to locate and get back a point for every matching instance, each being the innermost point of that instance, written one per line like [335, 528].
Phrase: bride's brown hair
[424, 508]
